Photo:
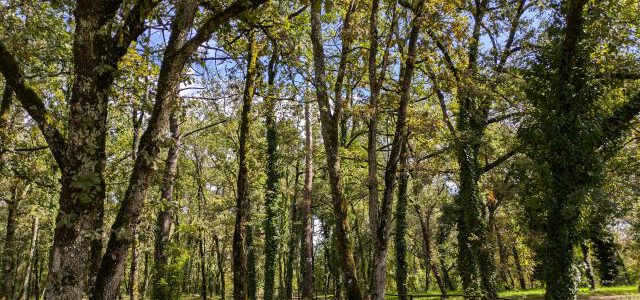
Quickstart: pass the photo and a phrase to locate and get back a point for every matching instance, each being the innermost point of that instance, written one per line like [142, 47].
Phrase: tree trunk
[220, 261]
[145, 281]
[294, 240]
[240, 267]
[401, 228]
[24, 293]
[133, 270]
[519, 269]
[272, 182]
[8, 268]
[587, 265]
[203, 271]
[161, 278]
[306, 257]
[381, 236]
[177, 54]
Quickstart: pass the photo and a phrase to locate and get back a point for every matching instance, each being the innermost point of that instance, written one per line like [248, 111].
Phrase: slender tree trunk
[203, 271]
[587, 265]
[177, 53]
[133, 270]
[220, 261]
[240, 267]
[8, 269]
[272, 182]
[145, 281]
[294, 240]
[519, 269]
[307, 214]
[381, 237]
[160, 279]
[24, 293]
[401, 228]
[10, 251]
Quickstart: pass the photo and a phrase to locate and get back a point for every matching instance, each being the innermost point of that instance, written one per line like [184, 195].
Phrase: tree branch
[32, 103]
[214, 21]
[488, 167]
[133, 26]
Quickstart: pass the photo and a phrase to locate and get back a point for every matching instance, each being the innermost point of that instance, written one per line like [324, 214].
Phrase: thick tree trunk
[240, 267]
[587, 265]
[24, 292]
[272, 182]
[306, 255]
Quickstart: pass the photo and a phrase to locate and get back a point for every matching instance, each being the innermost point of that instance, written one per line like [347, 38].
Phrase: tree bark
[240, 268]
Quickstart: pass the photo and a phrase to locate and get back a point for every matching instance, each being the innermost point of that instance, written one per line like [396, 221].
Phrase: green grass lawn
[584, 292]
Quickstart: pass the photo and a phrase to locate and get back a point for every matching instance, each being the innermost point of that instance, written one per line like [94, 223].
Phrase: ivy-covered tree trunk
[475, 258]
[240, 251]
[272, 182]
[586, 258]
[609, 265]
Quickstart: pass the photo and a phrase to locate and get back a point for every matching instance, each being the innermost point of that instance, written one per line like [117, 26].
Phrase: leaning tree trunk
[240, 271]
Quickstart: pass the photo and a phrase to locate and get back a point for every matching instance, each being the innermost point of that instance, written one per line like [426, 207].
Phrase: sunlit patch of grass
[583, 292]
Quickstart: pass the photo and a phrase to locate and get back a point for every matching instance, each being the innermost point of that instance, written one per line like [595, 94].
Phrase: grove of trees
[344, 149]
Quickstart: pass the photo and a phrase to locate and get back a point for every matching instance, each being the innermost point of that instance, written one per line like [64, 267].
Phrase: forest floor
[601, 293]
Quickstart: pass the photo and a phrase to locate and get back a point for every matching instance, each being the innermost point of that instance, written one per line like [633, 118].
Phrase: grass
[583, 292]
